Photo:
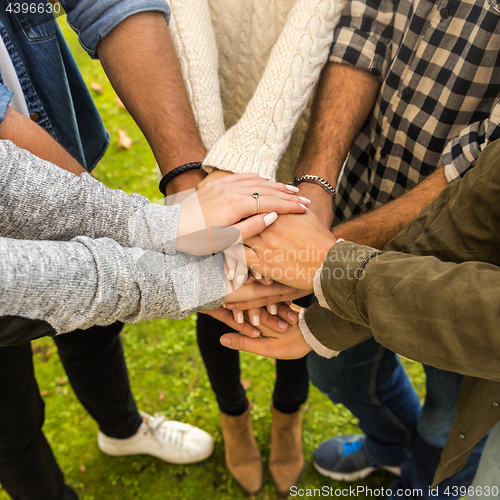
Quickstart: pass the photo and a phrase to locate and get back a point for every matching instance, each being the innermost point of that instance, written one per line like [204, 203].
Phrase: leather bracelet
[195, 165]
[316, 179]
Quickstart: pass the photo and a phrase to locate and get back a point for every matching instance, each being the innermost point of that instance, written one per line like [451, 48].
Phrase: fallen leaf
[96, 87]
[124, 141]
[246, 383]
[48, 354]
[191, 385]
[83, 468]
[61, 381]
[161, 395]
[45, 393]
[120, 103]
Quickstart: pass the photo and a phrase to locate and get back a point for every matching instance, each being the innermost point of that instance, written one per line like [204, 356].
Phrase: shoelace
[349, 447]
[165, 433]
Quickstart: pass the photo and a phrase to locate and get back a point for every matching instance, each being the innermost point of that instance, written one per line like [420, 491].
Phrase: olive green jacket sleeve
[439, 313]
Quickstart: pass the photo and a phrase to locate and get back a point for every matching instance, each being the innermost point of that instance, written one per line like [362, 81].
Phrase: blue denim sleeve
[93, 20]
[5, 98]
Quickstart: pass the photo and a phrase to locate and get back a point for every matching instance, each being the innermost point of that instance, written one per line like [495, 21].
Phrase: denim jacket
[56, 95]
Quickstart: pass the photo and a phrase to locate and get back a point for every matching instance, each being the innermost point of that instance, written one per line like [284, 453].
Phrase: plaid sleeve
[462, 152]
[363, 37]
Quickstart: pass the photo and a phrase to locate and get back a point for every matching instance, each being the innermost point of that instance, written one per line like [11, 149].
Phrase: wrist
[185, 181]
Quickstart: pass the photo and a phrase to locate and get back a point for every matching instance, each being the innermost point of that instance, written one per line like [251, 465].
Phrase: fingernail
[230, 275]
[270, 218]
[224, 340]
[257, 275]
[303, 206]
[256, 320]
[292, 316]
[256, 332]
[305, 200]
[266, 177]
[293, 189]
[239, 317]
[224, 305]
[273, 309]
[282, 324]
[230, 306]
[240, 279]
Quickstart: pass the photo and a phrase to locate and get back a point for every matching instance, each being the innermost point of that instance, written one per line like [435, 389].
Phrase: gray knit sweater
[97, 277]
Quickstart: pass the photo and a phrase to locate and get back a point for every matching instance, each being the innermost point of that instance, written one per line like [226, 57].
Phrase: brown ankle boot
[242, 454]
[287, 459]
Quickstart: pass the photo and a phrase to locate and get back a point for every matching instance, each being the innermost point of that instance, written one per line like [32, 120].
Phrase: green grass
[167, 374]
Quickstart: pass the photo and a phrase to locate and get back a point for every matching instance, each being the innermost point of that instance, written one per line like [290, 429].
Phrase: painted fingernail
[266, 177]
[282, 324]
[239, 317]
[256, 332]
[303, 206]
[304, 199]
[292, 316]
[256, 320]
[230, 306]
[273, 309]
[225, 340]
[240, 279]
[230, 275]
[293, 189]
[270, 218]
[257, 275]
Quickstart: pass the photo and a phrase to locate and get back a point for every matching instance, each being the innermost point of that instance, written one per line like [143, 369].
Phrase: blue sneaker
[342, 458]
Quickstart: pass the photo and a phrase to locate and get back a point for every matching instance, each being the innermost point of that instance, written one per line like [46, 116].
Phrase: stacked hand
[213, 217]
[271, 343]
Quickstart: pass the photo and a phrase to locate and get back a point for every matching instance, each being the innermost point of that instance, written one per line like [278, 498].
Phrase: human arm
[84, 282]
[413, 305]
[26, 134]
[132, 41]
[258, 140]
[34, 191]
[343, 100]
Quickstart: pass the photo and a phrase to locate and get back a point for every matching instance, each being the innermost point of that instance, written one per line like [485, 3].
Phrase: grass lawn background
[167, 373]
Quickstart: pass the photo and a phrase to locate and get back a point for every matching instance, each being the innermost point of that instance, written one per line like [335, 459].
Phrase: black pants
[223, 368]
[95, 364]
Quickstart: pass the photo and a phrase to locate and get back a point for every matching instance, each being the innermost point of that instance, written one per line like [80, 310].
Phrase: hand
[272, 344]
[321, 202]
[273, 322]
[213, 176]
[291, 250]
[221, 205]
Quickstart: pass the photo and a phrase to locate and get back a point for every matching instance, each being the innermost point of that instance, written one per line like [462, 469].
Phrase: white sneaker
[172, 441]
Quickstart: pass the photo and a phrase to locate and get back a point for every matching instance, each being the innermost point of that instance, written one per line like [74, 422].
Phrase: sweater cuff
[255, 162]
[312, 341]
[154, 227]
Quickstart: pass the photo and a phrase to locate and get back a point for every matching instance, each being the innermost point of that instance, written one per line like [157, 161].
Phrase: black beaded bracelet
[195, 165]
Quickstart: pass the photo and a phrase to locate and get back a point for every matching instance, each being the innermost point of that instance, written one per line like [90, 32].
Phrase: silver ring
[256, 196]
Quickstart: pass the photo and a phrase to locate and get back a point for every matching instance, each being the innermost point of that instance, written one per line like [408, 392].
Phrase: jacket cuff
[331, 331]
[341, 271]
[312, 341]
[93, 20]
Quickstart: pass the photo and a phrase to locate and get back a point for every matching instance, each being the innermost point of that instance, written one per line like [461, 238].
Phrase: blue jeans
[370, 381]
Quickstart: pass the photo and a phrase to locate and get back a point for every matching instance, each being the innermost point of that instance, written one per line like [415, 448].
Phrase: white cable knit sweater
[251, 66]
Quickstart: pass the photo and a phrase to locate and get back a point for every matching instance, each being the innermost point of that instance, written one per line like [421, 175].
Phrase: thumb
[255, 225]
[241, 343]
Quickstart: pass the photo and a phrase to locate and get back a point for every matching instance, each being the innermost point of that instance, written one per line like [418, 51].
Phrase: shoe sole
[355, 476]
